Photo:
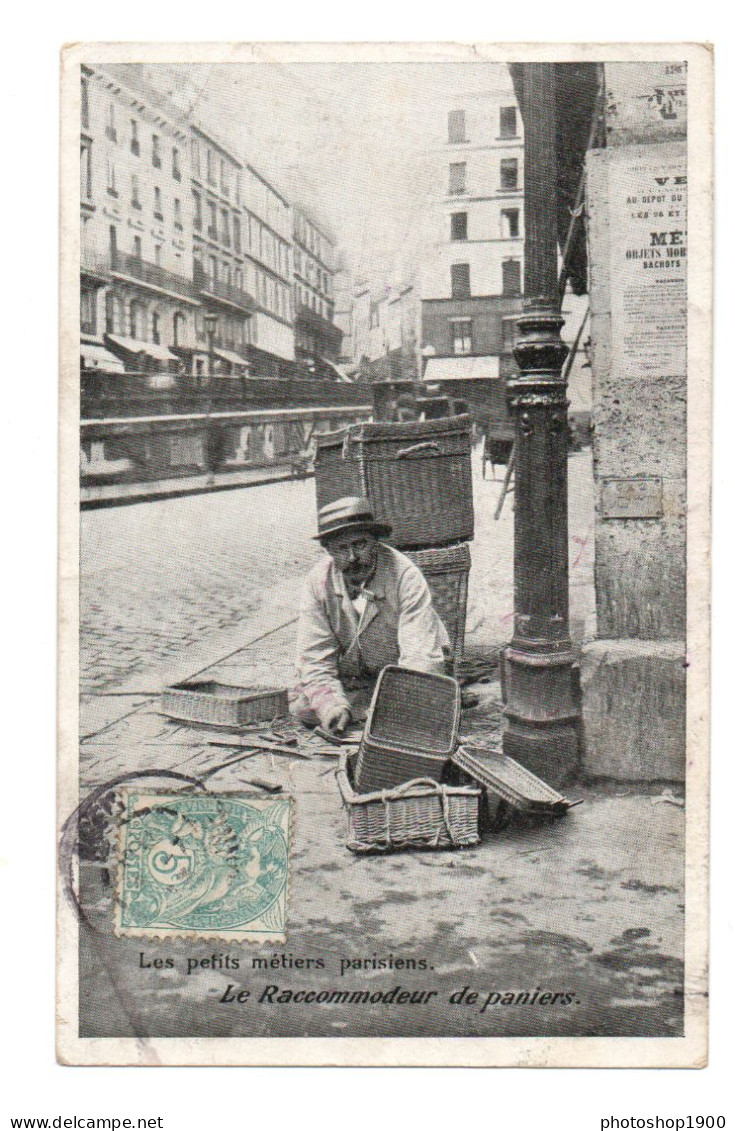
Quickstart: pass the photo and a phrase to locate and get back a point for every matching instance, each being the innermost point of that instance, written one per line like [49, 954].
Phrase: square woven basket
[418, 477]
[447, 573]
[335, 474]
[411, 729]
[220, 704]
[419, 814]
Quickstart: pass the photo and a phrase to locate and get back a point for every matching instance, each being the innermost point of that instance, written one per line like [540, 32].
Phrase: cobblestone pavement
[160, 578]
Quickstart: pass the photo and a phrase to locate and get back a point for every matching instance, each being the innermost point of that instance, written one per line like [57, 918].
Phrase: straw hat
[347, 514]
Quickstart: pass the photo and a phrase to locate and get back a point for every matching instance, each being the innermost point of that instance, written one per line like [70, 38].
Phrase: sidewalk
[582, 908]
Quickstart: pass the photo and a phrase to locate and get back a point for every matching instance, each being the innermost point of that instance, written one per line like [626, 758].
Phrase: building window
[111, 178]
[508, 122]
[509, 224]
[156, 328]
[175, 167]
[110, 130]
[134, 139]
[84, 108]
[157, 250]
[225, 233]
[236, 233]
[457, 178]
[456, 126]
[461, 329]
[156, 151]
[196, 167]
[210, 167]
[113, 243]
[212, 229]
[177, 214]
[85, 169]
[460, 273]
[459, 225]
[511, 276]
[199, 325]
[135, 192]
[137, 321]
[238, 278]
[197, 211]
[137, 247]
[213, 269]
[179, 328]
[157, 205]
[87, 313]
[224, 183]
[110, 313]
[509, 173]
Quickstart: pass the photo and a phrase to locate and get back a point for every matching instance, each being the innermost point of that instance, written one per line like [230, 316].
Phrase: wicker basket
[418, 477]
[411, 729]
[219, 704]
[335, 474]
[510, 781]
[447, 574]
[417, 814]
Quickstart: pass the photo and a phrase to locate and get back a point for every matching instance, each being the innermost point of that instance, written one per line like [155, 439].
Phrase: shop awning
[230, 356]
[336, 369]
[132, 345]
[97, 357]
[461, 368]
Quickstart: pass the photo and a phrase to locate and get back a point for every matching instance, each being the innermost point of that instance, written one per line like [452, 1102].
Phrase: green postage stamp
[203, 866]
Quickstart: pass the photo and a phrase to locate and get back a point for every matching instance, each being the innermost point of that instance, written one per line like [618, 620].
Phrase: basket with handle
[419, 814]
[418, 477]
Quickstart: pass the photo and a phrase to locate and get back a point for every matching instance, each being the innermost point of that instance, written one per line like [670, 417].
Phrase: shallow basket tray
[509, 780]
[420, 814]
[220, 704]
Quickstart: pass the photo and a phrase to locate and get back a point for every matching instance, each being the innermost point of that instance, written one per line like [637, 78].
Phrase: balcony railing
[218, 288]
[151, 273]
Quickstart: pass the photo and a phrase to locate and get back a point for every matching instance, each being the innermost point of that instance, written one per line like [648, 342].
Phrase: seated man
[364, 606]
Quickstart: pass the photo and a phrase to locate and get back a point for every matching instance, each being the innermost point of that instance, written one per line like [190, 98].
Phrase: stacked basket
[418, 477]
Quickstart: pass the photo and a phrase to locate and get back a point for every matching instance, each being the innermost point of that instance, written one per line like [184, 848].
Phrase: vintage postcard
[384, 573]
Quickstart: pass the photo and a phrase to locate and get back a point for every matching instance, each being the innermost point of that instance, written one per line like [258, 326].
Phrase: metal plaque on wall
[632, 498]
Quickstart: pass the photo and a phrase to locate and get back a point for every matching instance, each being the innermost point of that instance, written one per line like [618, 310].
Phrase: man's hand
[338, 720]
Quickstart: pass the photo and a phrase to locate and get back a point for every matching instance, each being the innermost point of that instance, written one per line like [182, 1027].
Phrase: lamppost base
[550, 751]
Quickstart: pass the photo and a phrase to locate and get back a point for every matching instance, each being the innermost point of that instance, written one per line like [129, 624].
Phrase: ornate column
[541, 705]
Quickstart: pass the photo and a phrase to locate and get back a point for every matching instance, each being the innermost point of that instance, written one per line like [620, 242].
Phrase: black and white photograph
[385, 446]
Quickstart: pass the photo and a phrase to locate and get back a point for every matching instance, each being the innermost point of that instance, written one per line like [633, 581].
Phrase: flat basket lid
[414, 710]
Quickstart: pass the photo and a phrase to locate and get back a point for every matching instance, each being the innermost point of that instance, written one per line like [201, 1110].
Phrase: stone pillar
[633, 675]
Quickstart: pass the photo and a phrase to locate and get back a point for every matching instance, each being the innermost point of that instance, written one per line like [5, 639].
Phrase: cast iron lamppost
[541, 703]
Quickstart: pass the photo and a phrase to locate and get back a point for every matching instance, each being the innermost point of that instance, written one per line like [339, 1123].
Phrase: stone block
[634, 710]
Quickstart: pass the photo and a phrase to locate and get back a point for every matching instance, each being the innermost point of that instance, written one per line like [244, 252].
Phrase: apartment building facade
[137, 298]
[472, 273]
[176, 227]
[318, 339]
